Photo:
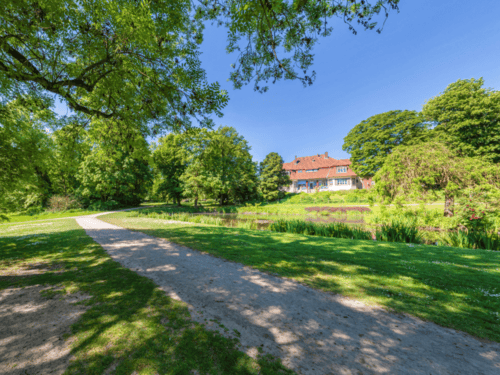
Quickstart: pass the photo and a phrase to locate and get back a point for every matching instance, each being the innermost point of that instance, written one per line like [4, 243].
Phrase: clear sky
[422, 49]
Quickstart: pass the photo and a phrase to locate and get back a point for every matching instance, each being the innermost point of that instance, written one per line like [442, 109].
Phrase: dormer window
[312, 170]
[341, 169]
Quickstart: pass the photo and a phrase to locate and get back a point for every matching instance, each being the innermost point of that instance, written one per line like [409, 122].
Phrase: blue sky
[421, 50]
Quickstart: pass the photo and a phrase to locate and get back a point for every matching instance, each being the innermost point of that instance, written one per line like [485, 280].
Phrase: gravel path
[311, 331]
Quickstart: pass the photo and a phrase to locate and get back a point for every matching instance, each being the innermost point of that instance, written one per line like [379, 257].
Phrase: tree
[169, 160]
[116, 172]
[422, 169]
[69, 148]
[139, 60]
[273, 177]
[372, 140]
[25, 148]
[467, 117]
[219, 166]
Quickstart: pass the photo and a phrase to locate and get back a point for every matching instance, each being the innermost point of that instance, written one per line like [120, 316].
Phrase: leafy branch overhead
[274, 39]
[140, 61]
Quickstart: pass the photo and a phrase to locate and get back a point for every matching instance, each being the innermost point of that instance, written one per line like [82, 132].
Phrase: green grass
[130, 322]
[457, 288]
[17, 218]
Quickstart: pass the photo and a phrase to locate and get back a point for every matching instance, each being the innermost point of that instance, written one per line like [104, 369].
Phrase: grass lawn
[457, 288]
[16, 218]
[130, 322]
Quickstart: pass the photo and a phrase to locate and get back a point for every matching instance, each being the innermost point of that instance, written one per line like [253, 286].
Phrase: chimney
[295, 156]
[326, 154]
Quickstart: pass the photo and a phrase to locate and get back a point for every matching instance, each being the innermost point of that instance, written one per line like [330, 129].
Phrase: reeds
[337, 230]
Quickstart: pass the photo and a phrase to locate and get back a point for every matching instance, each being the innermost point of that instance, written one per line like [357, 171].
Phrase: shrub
[62, 203]
[104, 206]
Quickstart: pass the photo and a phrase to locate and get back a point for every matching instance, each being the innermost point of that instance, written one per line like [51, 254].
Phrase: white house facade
[322, 173]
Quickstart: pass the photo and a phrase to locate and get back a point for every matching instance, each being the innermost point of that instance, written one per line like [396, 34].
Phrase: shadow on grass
[130, 324]
[309, 330]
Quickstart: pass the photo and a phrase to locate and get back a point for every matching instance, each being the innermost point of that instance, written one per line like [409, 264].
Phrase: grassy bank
[130, 322]
[457, 288]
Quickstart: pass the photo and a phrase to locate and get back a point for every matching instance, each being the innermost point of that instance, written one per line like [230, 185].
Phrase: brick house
[322, 173]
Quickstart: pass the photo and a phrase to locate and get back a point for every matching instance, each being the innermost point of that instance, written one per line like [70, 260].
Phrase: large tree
[467, 117]
[372, 140]
[219, 166]
[116, 172]
[272, 177]
[422, 169]
[139, 60]
[169, 160]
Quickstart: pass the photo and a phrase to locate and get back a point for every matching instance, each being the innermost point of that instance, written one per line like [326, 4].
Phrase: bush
[104, 206]
[62, 203]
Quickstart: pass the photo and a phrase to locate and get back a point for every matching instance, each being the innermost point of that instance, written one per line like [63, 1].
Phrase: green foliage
[169, 159]
[272, 177]
[219, 166]
[372, 140]
[119, 175]
[137, 61]
[25, 153]
[398, 231]
[112, 180]
[418, 171]
[470, 239]
[466, 118]
[338, 230]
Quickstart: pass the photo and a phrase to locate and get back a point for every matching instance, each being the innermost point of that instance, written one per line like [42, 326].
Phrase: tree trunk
[448, 205]
[221, 201]
[196, 202]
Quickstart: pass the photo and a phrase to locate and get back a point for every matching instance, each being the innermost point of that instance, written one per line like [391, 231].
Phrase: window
[341, 169]
[312, 170]
[299, 171]
[342, 181]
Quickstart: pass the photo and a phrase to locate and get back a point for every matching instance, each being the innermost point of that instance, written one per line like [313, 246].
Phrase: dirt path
[313, 332]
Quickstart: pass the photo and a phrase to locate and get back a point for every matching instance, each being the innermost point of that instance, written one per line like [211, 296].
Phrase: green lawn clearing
[130, 322]
[457, 288]
[17, 218]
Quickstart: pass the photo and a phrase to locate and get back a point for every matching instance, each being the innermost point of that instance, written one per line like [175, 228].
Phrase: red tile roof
[322, 173]
[314, 162]
[327, 167]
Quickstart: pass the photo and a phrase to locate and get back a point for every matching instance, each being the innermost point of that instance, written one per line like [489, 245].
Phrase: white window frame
[342, 181]
[341, 169]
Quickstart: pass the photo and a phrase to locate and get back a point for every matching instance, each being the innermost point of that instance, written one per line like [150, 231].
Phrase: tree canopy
[421, 169]
[467, 117]
[170, 160]
[139, 61]
[372, 140]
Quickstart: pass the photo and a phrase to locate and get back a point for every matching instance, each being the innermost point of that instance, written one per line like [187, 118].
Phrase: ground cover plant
[130, 323]
[457, 288]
